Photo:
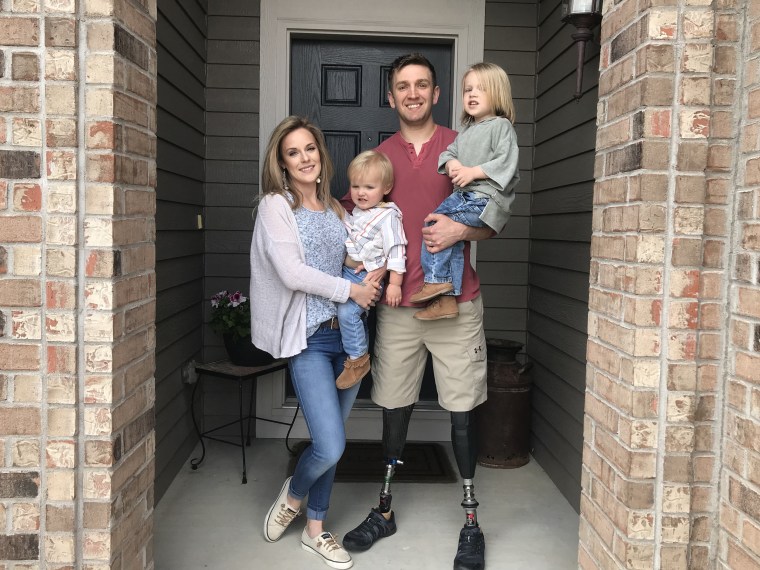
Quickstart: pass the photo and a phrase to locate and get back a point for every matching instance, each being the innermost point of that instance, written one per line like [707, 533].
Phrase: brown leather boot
[431, 291]
[354, 370]
[443, 307]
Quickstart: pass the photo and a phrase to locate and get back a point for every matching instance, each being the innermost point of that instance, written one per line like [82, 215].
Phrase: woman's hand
[365, 294]
[375, 276]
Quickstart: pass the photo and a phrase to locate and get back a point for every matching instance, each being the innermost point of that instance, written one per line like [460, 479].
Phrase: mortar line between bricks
[81, 278]
[44, 378]
[670, 205]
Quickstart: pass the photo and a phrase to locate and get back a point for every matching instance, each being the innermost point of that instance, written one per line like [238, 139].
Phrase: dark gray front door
[343, 87]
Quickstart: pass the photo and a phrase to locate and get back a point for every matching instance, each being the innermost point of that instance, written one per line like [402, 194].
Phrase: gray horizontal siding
[181, 32]
[560, 233]
[232, 143]
[510, 41]
[232, 172]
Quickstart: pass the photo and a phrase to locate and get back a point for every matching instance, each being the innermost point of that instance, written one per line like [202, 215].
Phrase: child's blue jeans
[353, 328]
[447, 265]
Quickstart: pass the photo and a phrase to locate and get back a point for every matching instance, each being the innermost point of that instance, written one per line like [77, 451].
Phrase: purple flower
[218, 297]
[236, 298]
[230, 314]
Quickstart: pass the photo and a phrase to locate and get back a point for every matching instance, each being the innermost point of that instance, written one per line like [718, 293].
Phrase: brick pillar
[77, 287]
[740, 481]
[661, 253]
[22, 414]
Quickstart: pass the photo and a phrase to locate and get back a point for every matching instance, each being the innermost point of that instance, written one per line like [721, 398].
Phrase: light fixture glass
[583, 7]
[584, 15]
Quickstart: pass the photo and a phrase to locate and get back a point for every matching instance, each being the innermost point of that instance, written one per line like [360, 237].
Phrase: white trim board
[461, 22]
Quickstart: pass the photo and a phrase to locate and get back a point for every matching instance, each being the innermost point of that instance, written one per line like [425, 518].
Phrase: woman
[297, 256]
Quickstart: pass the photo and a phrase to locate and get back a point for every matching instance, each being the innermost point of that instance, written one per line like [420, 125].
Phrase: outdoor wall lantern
[584, 15]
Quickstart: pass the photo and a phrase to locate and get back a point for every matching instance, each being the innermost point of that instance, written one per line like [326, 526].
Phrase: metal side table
[225, 369]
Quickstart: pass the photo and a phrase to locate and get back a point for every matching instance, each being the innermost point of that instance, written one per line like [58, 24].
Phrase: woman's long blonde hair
[495, 82]
[273, 179]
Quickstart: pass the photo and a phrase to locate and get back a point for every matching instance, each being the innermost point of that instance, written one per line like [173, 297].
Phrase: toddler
[482, 164]
[375, 239]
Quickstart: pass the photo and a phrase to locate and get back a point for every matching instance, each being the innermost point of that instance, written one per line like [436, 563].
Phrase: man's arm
[445, 232]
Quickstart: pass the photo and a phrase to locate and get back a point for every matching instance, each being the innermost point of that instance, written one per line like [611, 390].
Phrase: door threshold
[367, 404]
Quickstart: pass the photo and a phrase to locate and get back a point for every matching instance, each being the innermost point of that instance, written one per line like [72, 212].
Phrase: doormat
[362, 461]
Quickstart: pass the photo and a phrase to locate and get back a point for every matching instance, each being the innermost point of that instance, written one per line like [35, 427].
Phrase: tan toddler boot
[354, 370]
[443, 307]
[431, 291]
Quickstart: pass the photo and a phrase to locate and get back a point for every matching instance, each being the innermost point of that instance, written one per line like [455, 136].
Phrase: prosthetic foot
[376, 525]
[471, 550]
[381, 521]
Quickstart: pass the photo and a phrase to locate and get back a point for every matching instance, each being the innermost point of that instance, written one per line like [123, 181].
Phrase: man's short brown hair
[410, 59]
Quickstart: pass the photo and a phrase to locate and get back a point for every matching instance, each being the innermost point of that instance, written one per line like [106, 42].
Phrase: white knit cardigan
[280, 281]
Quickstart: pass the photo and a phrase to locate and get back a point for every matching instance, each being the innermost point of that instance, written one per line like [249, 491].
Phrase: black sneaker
[370, 531]
[472, 549]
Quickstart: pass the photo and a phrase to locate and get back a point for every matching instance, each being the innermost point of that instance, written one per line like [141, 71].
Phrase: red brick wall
[740, 478]
[660, 280]
[77, 287]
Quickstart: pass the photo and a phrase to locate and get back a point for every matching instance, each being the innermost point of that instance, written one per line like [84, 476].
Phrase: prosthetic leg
[381, 521]
[395, 429]
[471, 551]
[465, 452]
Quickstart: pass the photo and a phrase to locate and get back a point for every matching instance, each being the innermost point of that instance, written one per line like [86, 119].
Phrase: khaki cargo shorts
[458, 347]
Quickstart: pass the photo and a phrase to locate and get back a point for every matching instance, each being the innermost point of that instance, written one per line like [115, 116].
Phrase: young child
[375, 239]
[482, 164]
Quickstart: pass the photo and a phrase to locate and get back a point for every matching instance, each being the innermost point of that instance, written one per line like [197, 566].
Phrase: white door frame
[461, 22]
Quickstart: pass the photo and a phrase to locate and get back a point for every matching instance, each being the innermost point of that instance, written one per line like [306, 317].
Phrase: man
[457, 344]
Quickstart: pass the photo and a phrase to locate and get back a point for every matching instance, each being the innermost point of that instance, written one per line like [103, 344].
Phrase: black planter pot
[243, 353]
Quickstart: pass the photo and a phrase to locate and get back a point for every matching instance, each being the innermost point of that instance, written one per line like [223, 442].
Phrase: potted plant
[231, 317]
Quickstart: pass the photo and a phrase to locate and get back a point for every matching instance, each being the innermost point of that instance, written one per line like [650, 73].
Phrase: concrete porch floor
[208, 519]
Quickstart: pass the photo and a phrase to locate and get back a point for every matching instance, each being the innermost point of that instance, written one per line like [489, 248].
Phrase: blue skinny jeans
[326, 409]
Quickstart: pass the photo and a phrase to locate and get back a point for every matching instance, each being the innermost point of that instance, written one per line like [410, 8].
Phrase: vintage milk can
[503, 421]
